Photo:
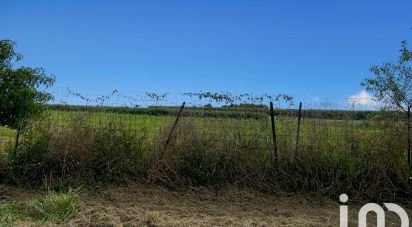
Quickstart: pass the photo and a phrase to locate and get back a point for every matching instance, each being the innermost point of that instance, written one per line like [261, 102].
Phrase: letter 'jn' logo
[372, 207]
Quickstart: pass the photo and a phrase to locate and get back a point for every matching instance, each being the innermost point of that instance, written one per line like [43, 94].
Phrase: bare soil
[142, 205]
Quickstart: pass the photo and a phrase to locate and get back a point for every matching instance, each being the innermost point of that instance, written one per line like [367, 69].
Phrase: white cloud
[363, 98]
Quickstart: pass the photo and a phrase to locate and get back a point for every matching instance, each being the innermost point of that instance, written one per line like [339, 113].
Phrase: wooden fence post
[409, 137]
[298, 129]
[174, 125]
[274, 140]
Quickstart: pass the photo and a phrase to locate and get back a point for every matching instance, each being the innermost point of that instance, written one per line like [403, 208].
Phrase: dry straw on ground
[138, 205]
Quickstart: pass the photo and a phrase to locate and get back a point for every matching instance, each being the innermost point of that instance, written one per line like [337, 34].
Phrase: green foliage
[55, 207]
[392, 84]
[22, 90]
[79, 154]
[31, 161]
[52, 207]
[7, 54]
[11, 212]
[116, 156]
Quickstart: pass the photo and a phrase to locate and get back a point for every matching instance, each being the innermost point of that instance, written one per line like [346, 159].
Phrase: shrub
[116, 156]
[197, 157]
[76, 154]
[30, 163]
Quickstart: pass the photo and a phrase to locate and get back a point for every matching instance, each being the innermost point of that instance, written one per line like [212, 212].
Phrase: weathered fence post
[409, 137]
[174, 125]
[298, 128]
[20, 120]
[275, 146]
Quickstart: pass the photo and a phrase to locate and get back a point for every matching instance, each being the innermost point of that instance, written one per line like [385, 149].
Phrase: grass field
[338, 135]
[335, 132]
[63, 149]
[153, 123]
[332, 131]
[66, 147]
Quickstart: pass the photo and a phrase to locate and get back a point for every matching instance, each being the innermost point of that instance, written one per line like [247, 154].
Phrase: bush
[30, 162]
[116, 156]
[198, 157]
[76, 154]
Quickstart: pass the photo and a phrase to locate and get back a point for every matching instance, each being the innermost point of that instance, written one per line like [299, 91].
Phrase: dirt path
[138, 205]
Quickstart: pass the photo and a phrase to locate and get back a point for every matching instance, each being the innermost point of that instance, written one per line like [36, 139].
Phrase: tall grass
[365, 159]
[78, 153]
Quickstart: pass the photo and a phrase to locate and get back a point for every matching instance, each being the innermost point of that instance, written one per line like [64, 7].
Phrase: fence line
[293, 127]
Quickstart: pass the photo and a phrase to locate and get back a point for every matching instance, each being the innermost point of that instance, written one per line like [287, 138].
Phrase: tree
[22, 90]
[392, 86]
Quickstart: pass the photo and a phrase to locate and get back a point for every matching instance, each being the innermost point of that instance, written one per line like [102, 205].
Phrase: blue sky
[313, 50]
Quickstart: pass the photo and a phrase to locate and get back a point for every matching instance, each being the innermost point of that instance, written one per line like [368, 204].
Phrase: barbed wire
[116, 98]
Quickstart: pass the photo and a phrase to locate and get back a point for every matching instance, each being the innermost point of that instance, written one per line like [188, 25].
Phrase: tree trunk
[409, 136]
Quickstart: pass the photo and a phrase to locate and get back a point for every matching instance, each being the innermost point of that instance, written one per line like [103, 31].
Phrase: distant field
[153, 118]
[153, 123]
[247, 120]
[237, 111]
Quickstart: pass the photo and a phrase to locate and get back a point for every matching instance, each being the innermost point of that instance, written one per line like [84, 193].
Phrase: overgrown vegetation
[23, 93]
[365, 159]
[106, 155]
[392, 86]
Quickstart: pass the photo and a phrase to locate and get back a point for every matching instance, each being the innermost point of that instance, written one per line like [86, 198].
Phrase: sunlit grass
[52, 207]
[12, 212]
[6, 132]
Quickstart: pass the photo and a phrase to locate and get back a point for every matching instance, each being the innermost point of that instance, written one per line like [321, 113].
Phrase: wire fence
[265, 142]
[216, 115]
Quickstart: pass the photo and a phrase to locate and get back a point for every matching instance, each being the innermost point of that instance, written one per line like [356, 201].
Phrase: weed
[55, 207]
[52, 207]
[11, 212]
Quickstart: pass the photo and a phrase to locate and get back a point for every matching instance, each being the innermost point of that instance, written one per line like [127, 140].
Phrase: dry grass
[138, 205]
[370, 166]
